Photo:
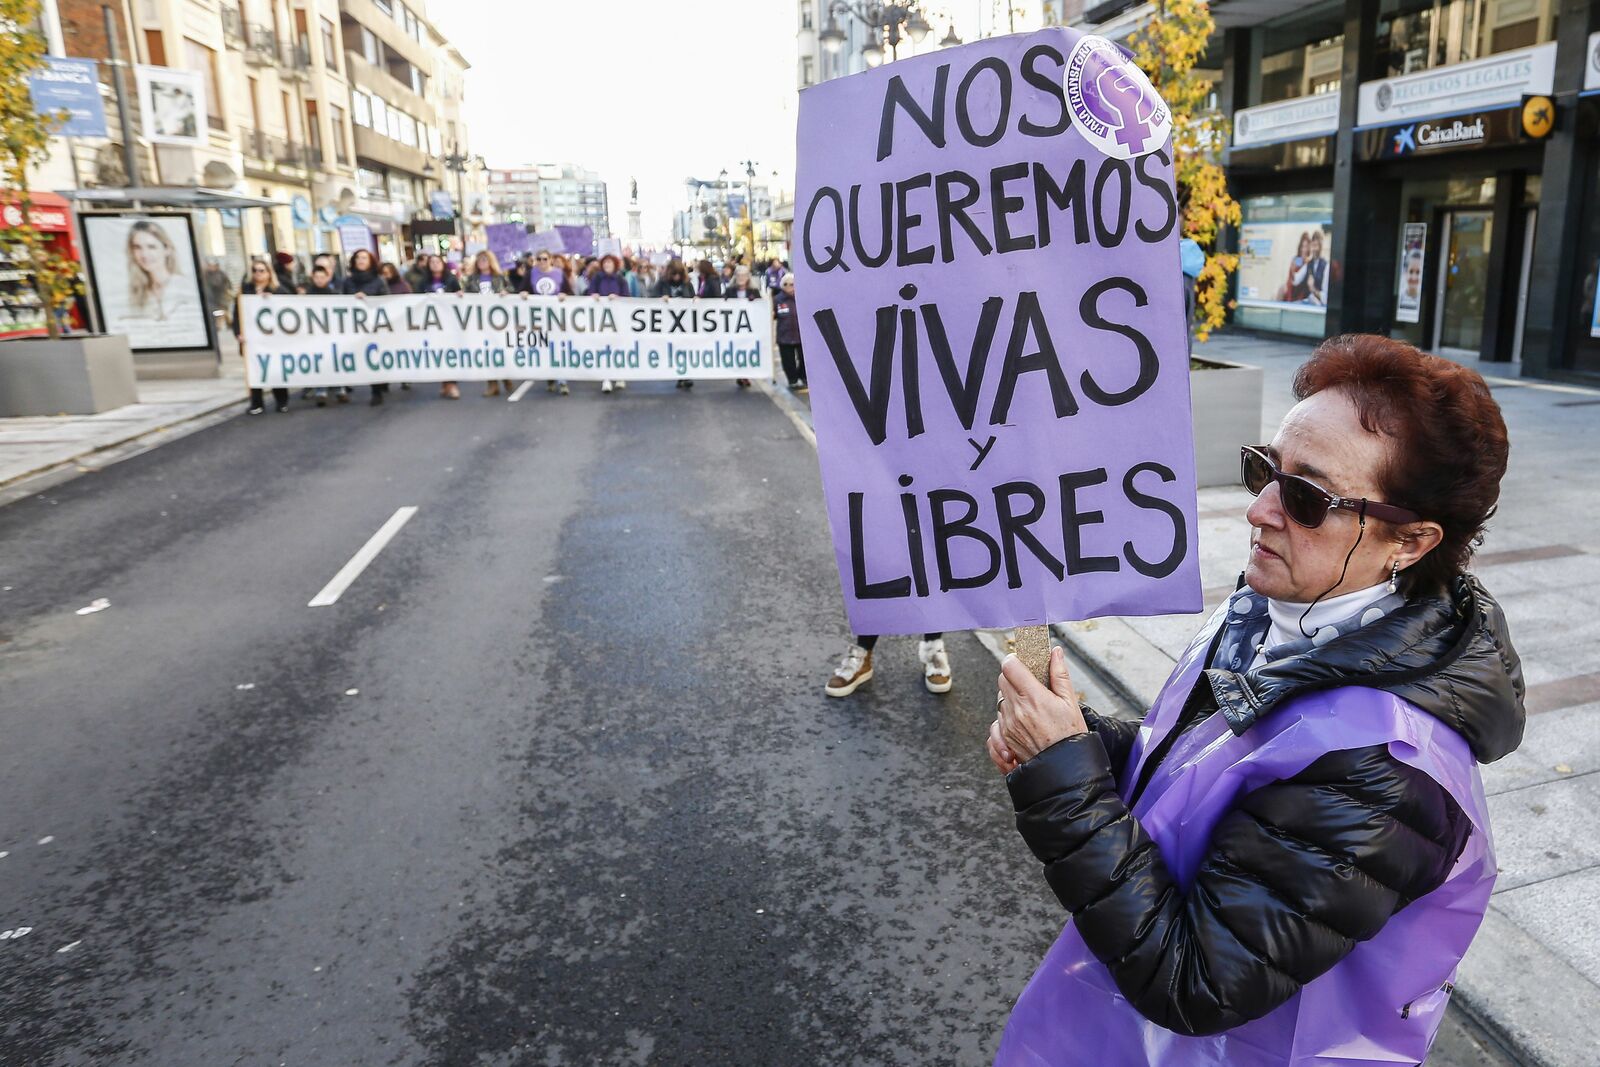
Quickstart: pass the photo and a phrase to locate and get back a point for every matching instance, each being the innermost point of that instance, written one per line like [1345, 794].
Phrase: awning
[185, 196]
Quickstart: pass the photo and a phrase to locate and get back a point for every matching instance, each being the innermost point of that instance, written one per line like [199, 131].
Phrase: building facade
[1425, 169]
[325, 107]
[551, 194]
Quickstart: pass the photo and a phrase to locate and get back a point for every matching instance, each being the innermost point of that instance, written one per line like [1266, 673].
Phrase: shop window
[1286, 262]
[1585, 344]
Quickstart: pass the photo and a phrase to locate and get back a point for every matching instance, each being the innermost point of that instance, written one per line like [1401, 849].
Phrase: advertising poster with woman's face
[146, 281]
[1413, 256]
[1285, 263]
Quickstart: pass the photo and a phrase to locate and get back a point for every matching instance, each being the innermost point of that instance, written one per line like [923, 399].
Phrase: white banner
[345, 340]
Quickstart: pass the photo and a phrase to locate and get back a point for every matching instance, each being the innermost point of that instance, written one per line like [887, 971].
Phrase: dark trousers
[868, 641]
[279, 397]
[794, 362]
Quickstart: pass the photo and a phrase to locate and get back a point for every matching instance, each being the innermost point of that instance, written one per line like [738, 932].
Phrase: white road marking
[351, 571]
[97, 604]
[521, 392]
[68, 948]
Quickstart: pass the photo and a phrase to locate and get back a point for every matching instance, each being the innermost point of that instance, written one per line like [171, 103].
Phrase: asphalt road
[554, 782]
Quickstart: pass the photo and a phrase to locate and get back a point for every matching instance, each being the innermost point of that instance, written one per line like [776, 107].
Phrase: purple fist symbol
[1120, 89]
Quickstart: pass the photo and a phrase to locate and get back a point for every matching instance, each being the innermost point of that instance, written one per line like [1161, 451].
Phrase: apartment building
[328, 108]
[551, 194]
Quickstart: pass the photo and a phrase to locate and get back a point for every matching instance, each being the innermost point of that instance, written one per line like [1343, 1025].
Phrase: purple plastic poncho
[1382, 1004]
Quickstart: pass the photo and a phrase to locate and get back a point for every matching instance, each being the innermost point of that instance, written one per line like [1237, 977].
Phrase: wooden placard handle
[1033, 649]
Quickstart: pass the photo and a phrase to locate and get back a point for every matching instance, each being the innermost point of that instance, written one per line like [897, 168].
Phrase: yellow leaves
[1166, 48]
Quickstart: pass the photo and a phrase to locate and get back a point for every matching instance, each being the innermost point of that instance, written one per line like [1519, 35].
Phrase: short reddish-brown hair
[1448, 445]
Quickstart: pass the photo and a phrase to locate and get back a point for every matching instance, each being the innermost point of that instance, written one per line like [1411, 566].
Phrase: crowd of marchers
[541, 273]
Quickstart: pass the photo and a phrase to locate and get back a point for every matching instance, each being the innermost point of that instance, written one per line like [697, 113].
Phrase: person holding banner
[742, 288]
[261, 281]
[607, 281]
[486, 277]
[322, 285]
[1284, 863]
[710, 285]
[440, 279]
[364, 278]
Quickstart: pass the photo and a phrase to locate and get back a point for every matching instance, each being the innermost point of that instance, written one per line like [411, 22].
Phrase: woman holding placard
[1284, 863]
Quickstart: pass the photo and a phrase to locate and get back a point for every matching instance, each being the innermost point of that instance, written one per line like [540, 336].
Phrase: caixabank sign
[1457, 133]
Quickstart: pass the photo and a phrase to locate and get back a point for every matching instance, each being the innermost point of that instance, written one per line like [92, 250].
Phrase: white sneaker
[935, 665]
[853, 670]
[605, 386]
[622, 385]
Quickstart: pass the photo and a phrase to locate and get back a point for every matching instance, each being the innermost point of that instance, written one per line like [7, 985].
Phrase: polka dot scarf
[1245, 632]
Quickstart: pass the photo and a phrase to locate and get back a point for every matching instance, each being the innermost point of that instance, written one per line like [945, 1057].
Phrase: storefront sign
[1483, 129]
[325, 340]
[73, 86]
[1286, 120]
[994, 331]
[1413, 258]
[1476, 85]
[300, 212]
[44, 219]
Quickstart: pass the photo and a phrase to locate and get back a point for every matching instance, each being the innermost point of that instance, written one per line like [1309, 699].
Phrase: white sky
[657, 90]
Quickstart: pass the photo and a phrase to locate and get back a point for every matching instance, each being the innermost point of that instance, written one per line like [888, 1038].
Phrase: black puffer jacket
[1300, 870]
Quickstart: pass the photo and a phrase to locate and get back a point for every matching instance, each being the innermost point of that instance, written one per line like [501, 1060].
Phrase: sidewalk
[39, 451]
[1533, 974]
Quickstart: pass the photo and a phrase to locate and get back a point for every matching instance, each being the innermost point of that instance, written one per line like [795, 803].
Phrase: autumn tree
[1167, 47]
[25, 142]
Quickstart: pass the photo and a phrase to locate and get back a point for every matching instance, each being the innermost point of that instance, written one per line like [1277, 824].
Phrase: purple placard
[579, 240]
[507, 240]
[999, 371]
[545, 241]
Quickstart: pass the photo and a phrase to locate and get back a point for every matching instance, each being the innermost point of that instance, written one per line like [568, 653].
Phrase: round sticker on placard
[1115, 105]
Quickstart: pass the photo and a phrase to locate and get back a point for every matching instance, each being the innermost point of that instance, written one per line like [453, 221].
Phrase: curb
[53, 474]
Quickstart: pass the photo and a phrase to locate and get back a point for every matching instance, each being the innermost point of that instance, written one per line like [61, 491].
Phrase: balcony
[277, 152]
[261, 47]
[232, 27]
[296, 60]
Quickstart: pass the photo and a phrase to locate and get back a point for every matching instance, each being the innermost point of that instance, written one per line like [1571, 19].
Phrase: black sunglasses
[1306, 502]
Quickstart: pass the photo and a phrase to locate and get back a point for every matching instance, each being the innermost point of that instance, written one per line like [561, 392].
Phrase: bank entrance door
[1463, 281]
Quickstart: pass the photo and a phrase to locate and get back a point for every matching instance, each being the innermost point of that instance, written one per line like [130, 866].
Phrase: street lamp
[887, 24]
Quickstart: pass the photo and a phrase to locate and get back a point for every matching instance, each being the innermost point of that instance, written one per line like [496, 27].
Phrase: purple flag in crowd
[577, 239]
[987, 262]
[507, 240]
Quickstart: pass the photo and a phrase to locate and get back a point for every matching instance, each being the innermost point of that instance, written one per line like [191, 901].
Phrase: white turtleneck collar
[1284, 615]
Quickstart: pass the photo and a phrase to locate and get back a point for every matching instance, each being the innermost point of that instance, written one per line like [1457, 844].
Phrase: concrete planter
[82, 374]
[1226, 398]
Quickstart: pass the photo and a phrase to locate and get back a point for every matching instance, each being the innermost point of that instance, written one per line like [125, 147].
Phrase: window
[412, 24]
[380, 115]
[805, 15]
[336, 115]
[155, 48]
[385, 6]
[203, 59]
[408, 129]
[371, 47]
[371, 182]
[361, 108]
[313, 127]
[807, 72]
[1419, 34]
[330, 46]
